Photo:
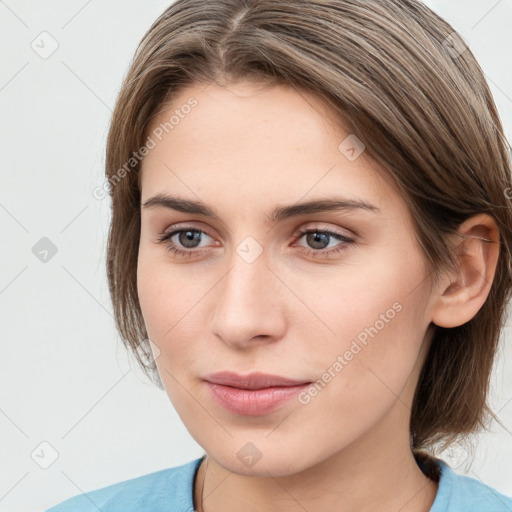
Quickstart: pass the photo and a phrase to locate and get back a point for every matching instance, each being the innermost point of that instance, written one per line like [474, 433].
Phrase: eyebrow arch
[279, 213]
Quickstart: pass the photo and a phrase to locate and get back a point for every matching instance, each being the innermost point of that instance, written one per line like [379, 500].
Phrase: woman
[310, 251]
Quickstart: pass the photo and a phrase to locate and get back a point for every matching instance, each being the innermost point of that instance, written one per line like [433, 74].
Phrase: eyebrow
[279, 213]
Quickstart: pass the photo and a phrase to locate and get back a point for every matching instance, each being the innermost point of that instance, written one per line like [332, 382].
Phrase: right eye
[186, 238]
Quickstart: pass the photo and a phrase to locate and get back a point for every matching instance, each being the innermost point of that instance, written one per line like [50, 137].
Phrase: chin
[254, 459]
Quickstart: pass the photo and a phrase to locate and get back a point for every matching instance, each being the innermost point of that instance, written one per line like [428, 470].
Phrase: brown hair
[402, 80]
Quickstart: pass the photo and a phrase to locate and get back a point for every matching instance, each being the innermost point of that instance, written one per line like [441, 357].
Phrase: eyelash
[164, 237]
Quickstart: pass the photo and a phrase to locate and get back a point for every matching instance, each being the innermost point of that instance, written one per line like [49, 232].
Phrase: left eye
[316, 237]
[321, 237]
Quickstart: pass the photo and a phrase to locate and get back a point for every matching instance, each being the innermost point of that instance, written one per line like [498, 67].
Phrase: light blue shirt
[171, 490]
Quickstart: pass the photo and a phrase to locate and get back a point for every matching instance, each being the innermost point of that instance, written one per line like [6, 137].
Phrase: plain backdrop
[76, 414]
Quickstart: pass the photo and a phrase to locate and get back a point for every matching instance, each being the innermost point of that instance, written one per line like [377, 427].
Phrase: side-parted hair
[403, 81]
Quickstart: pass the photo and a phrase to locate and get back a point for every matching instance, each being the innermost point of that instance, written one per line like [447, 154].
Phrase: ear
[464, 292]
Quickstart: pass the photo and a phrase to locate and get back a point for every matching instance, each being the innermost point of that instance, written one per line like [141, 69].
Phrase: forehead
[252, 139]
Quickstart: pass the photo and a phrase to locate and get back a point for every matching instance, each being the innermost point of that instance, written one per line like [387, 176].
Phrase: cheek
[166, 295]
[378, 298]
[376, 329]
[171, 298]
[164, 306]
[360, 375]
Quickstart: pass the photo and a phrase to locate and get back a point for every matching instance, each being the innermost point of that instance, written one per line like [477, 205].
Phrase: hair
[403, 81]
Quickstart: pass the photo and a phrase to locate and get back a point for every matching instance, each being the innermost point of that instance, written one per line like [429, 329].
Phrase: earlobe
[462, 293]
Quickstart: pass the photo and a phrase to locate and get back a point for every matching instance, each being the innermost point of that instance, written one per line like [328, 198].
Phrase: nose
[249, 304]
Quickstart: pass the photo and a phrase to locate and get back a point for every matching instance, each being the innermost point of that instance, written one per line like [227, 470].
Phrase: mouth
[252, 395]
[256, 380]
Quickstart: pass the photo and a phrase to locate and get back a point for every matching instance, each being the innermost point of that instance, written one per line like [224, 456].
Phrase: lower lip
[254, 402]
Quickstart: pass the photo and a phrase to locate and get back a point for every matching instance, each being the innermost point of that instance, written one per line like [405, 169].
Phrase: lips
[256, 394]
[252, 381]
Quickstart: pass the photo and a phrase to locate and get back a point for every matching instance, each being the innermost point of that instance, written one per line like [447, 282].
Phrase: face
[335, 296]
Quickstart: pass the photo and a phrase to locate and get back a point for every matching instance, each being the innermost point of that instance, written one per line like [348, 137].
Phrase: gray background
[65, 378]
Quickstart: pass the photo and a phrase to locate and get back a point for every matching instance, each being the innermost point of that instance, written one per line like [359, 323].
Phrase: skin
[243, 150]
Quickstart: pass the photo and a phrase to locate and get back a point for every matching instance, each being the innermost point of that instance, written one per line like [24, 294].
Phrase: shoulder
[169, 489]
[466, 494]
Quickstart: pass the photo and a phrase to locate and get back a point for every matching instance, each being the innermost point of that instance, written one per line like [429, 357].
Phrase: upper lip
[254, 380]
